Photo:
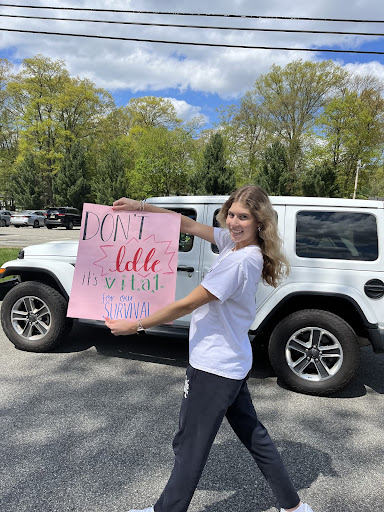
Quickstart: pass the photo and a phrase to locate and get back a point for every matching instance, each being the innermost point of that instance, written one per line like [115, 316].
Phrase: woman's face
[242, 225]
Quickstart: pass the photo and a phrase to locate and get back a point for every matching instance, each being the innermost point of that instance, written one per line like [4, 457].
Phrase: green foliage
[163, 160]
[216, 176]
[320, 182]
[291, 99]
[8, 131]
[302, 129]
[27, 185]
[110, 181]
[54, 109]
[71, 187]
[275, 177]
[152, 112]
[352, 125]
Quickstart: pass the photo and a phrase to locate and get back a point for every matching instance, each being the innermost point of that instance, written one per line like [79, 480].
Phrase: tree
[292, 98]
[71, 186]
[320, 181]
[218, 177]
[111, 180]
[152, 112]
[164, 160]
[54, 110]
[27, 186]
[275, 176]
[243, 129]
[8, 132]
[352, 125]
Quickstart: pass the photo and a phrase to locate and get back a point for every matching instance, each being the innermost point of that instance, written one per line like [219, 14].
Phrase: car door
[210, 251]
[189, 254]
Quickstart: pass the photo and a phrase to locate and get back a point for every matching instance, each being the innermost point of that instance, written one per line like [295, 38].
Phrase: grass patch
[7, 254]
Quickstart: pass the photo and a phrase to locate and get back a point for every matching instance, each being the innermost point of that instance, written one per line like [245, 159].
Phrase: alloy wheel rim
[314, 354]
[31, 318]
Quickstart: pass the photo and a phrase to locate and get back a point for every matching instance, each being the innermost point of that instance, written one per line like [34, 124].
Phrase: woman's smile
[242, 225]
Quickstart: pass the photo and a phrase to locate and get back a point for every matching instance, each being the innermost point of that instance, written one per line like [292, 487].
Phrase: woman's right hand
[126, 204]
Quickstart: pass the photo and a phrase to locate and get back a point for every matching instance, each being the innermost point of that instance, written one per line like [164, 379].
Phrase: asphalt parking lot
[88, 428]
[20, 237]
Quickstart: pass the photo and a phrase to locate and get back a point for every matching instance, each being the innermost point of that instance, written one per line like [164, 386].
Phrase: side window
[336, 235]
[185, 240]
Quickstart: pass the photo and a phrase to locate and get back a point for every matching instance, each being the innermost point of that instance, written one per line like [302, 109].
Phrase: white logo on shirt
[186, 387]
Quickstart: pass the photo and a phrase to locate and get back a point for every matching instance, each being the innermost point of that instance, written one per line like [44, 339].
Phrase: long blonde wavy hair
[276, 265]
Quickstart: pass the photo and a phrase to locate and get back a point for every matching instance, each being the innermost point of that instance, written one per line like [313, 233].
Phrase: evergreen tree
[71, 187]
[320, 182]
[218, 177]
[110, 182]
[274, 177]
[27, 186]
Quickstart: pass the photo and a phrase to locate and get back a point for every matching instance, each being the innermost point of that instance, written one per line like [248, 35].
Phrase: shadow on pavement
[173, 351]
[225, 473]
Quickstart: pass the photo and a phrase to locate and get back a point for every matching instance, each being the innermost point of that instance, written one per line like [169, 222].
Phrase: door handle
[184, 268]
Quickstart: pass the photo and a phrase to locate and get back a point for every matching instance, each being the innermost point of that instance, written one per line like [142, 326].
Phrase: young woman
[220, 354]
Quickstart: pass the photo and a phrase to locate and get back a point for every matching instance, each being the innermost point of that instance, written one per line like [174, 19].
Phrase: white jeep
[314, 322]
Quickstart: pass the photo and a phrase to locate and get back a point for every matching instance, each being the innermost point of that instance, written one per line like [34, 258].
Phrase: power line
[115, 38]
[171, 25]
[242, 16]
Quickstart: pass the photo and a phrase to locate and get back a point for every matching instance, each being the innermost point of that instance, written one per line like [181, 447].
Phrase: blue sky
[196, 79]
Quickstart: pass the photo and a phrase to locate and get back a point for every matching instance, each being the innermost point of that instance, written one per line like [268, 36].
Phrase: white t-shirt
[218, 336]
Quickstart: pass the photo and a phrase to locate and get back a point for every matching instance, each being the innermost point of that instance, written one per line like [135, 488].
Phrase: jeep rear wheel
[314, 352]
[33, 316]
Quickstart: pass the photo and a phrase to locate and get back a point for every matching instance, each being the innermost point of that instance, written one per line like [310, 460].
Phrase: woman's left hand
[121, 327]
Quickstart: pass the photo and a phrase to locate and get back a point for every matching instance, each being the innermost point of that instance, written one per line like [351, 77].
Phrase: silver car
[5, 218]
[33, 218]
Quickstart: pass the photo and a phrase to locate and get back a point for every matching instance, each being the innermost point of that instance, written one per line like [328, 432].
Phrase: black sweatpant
[207, 399]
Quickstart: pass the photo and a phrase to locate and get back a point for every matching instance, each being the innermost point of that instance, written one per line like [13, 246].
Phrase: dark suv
[62, 217]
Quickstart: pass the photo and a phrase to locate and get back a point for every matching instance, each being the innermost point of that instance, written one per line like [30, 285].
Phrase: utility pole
[358, 167]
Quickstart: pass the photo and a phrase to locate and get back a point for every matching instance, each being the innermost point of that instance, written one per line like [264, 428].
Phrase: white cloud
[185, 111]
[367, 68]
[144, 67]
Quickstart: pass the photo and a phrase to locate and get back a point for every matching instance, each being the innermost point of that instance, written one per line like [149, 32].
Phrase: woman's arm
[195, 299]
[187, 225]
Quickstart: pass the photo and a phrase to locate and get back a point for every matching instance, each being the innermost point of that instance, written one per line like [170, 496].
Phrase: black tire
[33, 316]
[69, 225]
[2, 223]
[49, 227]
[36, 224]
[17, 226]
[314, 352]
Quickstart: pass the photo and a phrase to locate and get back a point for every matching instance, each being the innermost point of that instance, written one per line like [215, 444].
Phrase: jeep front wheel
[33, 316]
[314, 352]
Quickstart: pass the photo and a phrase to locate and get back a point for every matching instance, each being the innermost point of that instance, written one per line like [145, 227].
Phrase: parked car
[314, 323]
[5, 218]
[62, 217]
[34, 218]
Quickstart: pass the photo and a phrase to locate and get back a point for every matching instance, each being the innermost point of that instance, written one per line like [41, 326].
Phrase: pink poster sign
[126, 264]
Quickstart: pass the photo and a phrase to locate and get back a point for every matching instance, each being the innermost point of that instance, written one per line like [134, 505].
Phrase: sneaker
[149, 509]
[304, 507]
